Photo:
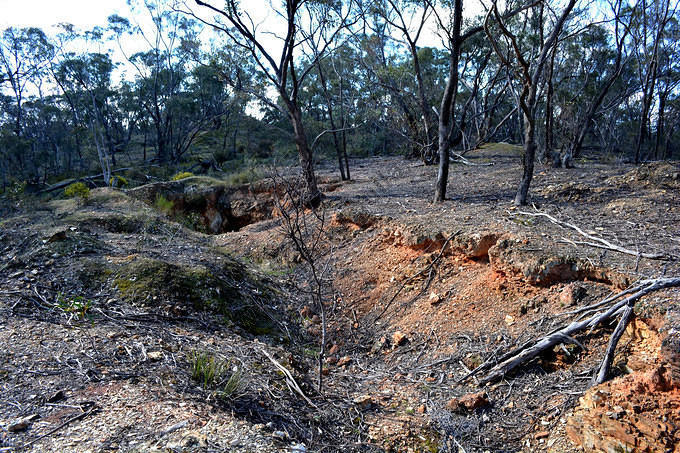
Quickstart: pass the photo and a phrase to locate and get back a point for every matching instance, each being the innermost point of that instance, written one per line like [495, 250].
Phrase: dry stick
[598, 242]
[530, 351]
[613, 341]
[67, 422]
[290, 380]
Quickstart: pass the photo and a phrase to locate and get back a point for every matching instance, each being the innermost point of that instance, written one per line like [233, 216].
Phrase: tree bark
[312, 197]
[447, 108]
[528, 159]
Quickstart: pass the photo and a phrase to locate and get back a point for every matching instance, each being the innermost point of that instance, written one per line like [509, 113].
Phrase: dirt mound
[663, 175]
[229, 290]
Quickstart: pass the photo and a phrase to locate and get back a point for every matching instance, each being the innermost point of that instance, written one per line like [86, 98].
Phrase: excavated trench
[208, 205]
[446, 285]
[485, 281]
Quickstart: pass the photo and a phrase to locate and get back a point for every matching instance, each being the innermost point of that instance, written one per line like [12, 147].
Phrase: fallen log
[613, 307]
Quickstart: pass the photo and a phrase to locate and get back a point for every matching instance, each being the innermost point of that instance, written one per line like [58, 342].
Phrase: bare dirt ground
[99, 338]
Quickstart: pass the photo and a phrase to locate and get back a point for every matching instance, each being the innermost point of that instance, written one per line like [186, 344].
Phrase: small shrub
[244, 176]
[182, 175]
[77, 190]
[211, 373]
[163, 204]
[78, 305]
[118, 181]
[17, 189]
[233, 387]
[206, 369]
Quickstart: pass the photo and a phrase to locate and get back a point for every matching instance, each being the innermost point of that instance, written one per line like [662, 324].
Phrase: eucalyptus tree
[601, 54]
[450, 131]
[86, 81]
[23, 52]
[302, 22]
[668, 81]
[409, 19]
[529, 68]
[648, 29]
[162, 70]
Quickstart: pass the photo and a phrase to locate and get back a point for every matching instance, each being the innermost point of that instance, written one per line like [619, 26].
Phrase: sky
[45, 13]
[85, 14]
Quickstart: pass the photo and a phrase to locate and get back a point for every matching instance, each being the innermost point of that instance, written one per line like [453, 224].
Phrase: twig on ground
[595, 241]
[92, 409]
[290, 380]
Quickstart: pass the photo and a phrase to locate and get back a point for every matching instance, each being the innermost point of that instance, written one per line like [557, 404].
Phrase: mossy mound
[120, 223]
[231, 291]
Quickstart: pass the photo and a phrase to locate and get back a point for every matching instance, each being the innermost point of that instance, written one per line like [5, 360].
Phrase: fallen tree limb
[613, 341]
[290, 380]
[458, 158]
[93, 408]
[618, 306]
[598, 242]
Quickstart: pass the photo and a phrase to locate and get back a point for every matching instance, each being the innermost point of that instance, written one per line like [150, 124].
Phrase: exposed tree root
[605, 310]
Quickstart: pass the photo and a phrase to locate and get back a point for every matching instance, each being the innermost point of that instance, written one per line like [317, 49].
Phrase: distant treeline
[350, 79]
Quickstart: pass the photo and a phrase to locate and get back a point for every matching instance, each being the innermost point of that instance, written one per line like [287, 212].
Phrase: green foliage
[118, 181]
[245, 176]
[78, 305]
[77, 190]
[207, 370]
[182, 175]
[163, 204]
[17, 189]
[211, 373]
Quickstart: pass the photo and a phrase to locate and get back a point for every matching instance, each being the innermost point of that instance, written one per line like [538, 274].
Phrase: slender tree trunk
[548, 146]
[312, 195]
[527, 161]
[425, 111]
[658, 154]
[447, 108]
[331, 120]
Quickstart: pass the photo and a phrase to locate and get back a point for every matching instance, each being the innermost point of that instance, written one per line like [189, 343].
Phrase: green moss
[151, 281]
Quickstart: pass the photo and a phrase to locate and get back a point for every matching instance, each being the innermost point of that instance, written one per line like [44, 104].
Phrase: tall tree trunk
[331, 120]
[344, 129]
[447, 108]
[658, 154]
[428, 158]
[548, 145]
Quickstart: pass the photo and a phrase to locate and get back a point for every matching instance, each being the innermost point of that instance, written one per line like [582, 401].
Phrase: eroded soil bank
[110, 308]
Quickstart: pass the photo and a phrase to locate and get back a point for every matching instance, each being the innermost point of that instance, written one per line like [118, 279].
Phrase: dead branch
[92, 409]
[617, 306]
[458, 158]
[598, 242]
[613, 341]
[290, 380]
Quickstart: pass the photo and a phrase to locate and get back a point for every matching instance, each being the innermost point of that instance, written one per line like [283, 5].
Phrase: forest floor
[122, 329]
